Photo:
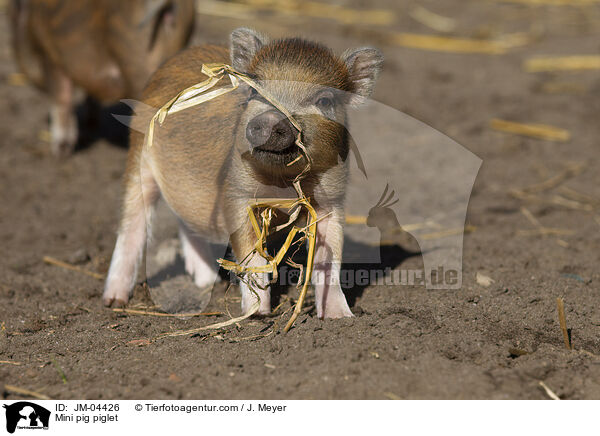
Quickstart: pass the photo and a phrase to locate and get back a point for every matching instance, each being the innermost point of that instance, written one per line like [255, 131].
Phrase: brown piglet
[207, 162]
[108, 48]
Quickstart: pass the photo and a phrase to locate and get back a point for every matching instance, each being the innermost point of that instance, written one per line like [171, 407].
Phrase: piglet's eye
[325, 102]
[253, 93]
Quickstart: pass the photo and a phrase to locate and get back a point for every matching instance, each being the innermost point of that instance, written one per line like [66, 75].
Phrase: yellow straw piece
[459, 45]
[226, 9]
[552, 2]
[563, 63]
[432, 20]
[216, 326]
[562, 320]
[379, 17]
[356, 219]
[17, 79]
[540, 131]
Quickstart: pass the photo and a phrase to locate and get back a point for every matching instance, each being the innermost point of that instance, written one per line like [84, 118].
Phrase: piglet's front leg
[330, 300]
[243, 241]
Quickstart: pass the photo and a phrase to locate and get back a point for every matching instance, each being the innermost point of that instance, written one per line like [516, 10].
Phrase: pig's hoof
[263, 310]
[114, 303]
[203, 273]
[340, 310]
[63, 148]
[334, 314]
[113, 299]
[259, 313]
[64, 140]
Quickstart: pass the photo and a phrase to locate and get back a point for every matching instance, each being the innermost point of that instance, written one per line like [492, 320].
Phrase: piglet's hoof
[114, 302]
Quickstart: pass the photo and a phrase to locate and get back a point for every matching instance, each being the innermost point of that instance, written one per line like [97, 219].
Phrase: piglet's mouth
[276, 156]
[277, 151]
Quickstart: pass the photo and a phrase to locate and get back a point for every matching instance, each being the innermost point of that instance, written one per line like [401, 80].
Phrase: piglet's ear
[245, 43]
[364, 66]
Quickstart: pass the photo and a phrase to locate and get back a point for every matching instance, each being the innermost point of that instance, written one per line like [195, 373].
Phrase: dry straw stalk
[540, 131]
[52, 261]
[563, 63]
[560, 304]
[26, 392]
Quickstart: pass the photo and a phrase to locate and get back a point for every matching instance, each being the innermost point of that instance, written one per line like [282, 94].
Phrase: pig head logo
[24, 414]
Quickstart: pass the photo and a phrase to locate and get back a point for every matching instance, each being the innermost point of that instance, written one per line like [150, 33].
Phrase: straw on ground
[549, 391]
[540, 131]
[20, 391]
[563, 63]
[172, 315]
[562, 320]
[52, 261]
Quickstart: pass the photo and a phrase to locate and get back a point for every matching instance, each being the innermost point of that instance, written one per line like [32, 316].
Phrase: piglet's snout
[271, 131]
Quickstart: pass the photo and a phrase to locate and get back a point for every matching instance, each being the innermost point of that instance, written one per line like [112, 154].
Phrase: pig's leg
[63, 122]
[242, 242]
[199, 260]
[330, 300]
[139, 204]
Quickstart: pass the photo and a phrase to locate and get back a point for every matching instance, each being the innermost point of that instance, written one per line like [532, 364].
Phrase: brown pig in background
[209, 161]
[109, 48]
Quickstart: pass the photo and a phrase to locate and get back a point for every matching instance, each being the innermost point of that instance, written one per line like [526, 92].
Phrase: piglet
[108, 48]
[209, 161]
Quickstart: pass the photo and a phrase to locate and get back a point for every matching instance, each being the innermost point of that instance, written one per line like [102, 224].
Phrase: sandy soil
[487, 342]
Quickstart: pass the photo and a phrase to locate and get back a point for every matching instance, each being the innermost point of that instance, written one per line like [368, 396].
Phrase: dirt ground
[479, 342]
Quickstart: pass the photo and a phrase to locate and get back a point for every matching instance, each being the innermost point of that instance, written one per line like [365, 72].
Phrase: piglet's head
[313, 84]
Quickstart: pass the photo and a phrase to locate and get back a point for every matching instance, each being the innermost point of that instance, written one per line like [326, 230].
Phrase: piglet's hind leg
[199, 260]
[63, 122]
